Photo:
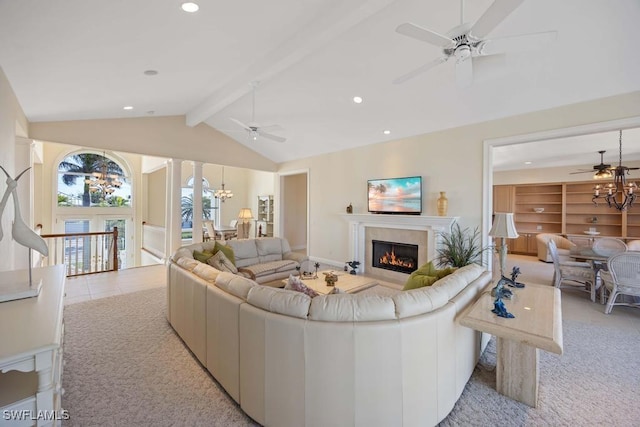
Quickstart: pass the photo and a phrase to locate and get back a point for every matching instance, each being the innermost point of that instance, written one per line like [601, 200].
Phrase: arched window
[210, 205]
[87, 179]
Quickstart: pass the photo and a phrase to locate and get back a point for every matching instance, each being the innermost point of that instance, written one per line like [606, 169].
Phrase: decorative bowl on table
[538, 210]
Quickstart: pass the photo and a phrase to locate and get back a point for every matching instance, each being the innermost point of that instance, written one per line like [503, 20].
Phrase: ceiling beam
[311, 37]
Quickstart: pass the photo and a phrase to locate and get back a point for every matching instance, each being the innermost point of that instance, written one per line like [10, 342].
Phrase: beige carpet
[125, 366]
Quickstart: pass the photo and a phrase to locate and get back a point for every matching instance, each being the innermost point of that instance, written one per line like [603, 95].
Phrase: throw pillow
[226, 250]
[222, 263]
[416, 281]
[427, 269]
[295, 284]
[444, 272]
[202, 256]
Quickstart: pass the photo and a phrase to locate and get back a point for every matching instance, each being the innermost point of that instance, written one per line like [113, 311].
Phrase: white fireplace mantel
[434, 225]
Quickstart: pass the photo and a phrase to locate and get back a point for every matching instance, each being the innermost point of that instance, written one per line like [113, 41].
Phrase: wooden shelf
[568, 210]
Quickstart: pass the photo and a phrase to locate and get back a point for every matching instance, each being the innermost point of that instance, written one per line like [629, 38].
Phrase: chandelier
[619, 193]
[102, 181]
[223, 194]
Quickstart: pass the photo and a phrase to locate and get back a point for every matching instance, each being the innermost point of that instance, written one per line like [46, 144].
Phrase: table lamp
[504, 228]
[245, 216]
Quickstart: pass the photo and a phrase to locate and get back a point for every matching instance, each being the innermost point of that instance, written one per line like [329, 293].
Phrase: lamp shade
[245, 214]
[503, 226]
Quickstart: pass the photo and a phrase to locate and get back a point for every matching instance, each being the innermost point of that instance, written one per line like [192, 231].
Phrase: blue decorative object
[512, 282]
[354, 266]
[500, 292]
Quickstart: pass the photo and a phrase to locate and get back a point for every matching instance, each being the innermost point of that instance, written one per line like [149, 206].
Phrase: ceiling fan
[253, 129]
[467, 41]
[603, 170]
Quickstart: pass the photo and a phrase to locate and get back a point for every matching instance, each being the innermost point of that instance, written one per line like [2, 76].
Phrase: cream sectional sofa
[334, 360]
[267, 258]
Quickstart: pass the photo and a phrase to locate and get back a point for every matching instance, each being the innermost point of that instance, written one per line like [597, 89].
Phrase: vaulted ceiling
[78, 59]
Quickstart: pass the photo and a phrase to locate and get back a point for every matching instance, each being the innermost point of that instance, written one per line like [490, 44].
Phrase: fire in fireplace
[394, 256]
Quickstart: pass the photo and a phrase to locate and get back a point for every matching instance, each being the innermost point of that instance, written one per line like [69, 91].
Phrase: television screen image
[395, 195]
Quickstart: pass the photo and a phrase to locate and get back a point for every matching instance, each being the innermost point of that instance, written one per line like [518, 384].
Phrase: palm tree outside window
[77, 175]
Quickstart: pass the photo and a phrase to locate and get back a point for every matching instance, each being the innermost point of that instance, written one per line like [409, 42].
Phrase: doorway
[294, 211]
[94, 223]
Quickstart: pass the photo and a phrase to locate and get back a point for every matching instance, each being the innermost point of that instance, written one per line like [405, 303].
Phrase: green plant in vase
[460, 247]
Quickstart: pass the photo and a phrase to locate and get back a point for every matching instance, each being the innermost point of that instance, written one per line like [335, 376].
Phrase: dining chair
[571, 273]
[211, 231]
[623, 279]
[633, 245]
[607, 246]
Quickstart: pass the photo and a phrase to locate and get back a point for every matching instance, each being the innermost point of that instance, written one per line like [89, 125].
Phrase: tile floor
[94, 286]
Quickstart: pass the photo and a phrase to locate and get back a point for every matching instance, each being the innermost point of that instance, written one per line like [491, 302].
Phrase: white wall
[449, 160]
[12, 122]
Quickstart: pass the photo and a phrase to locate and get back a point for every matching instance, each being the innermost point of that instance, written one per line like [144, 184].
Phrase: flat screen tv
[395, 195]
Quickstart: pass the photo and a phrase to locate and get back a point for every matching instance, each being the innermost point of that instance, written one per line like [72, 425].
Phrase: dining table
[598, 262]
[225, 232]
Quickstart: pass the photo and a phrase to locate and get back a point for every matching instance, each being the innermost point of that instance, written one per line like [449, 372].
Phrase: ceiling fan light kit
[619, 193]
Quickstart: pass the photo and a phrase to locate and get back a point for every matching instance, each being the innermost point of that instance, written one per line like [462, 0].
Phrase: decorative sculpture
[20, 231]
[512, 282]
[330, 277]
[498, 293]
[354, 266]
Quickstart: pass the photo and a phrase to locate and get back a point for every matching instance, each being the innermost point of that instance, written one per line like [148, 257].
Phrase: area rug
[126, 366]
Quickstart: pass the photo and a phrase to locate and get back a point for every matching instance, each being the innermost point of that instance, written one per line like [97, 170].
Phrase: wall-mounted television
[395, 195]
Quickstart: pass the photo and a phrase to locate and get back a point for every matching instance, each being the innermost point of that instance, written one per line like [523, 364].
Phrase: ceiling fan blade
[573, 173]
[270, 136]
[493, 16]
[270, 128]
[520, 43]
[247, 128]
[416, 32]
[420, 70]
[464, 72]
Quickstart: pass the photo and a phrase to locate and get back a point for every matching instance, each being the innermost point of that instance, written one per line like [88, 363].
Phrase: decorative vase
[443, 204]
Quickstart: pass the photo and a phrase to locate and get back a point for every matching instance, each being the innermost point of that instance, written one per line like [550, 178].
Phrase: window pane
[89, 179]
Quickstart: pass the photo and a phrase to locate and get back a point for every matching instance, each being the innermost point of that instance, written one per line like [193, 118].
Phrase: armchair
[563, 246]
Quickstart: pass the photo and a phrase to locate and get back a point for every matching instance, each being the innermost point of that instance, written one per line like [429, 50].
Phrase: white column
[173, 220]
[167, 211]
[197, 202]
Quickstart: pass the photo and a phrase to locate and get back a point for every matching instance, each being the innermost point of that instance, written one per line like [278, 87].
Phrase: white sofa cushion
[351, 308]
[236, 285]
[419, 301]
[206, 272]
[188, 263]
[269, 249]
[244, 251]
[454, 283]
[281, 301]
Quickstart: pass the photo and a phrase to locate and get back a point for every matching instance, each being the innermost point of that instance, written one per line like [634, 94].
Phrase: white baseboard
[299, 247]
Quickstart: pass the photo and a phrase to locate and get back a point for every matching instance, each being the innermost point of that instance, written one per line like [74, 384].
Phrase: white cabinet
[31, 333]
[264, 218]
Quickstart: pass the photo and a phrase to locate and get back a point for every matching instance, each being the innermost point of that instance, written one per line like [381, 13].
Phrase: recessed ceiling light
[386, 131]
[357, 99]
[190, 7]
[527, 163]
[151, 73]
[128, 107]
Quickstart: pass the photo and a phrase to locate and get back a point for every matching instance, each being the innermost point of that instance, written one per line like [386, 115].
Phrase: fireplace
[400, 257]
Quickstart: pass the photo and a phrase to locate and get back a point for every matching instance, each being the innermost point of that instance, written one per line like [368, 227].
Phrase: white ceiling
[78, 59]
